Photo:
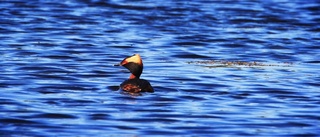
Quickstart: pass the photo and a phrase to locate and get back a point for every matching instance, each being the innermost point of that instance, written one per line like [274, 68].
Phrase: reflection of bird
[134, 83]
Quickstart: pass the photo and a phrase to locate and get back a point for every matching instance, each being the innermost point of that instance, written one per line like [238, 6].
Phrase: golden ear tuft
[135, 59]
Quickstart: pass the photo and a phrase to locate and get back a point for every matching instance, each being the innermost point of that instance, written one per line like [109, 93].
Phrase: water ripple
[218, 68]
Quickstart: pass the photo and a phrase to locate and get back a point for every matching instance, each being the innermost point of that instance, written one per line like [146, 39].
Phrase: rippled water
[58, 79]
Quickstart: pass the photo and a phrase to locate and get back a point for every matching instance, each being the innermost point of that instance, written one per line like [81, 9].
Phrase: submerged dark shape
[134, 83]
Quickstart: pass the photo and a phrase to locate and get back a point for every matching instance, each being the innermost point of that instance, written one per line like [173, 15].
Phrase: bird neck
[132, 76]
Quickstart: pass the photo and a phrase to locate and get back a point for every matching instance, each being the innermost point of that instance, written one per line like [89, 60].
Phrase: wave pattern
[57, 75]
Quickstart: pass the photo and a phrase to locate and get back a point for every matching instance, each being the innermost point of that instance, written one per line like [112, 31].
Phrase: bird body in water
[134, 83]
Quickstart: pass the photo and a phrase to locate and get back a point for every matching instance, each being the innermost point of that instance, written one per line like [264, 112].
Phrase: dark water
[58, 79]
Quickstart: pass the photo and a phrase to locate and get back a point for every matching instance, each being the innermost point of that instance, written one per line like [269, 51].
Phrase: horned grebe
[134, 83]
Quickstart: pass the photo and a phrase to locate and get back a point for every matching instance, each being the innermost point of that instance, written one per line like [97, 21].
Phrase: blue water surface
[58, 76]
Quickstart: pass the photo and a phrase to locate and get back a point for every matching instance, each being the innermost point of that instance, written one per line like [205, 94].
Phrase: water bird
[134, 84]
